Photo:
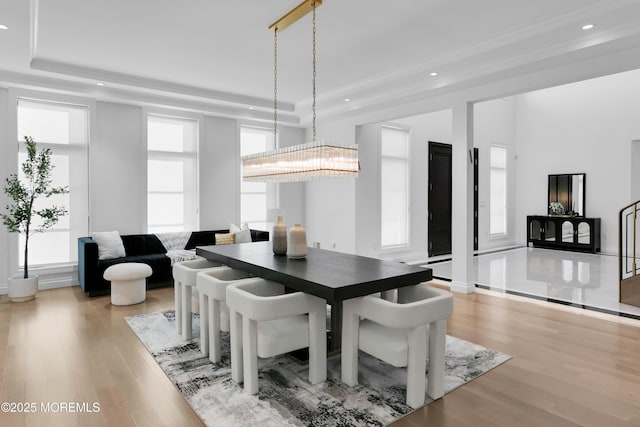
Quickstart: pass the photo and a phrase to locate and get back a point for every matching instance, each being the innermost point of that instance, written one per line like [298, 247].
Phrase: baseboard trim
[44, 285]
[463, 288]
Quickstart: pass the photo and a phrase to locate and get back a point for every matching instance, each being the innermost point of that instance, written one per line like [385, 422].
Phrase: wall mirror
[566, 194]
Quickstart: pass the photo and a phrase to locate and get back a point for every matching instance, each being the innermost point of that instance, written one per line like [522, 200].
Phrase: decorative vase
[21, 289]
[297, 242]
[280, 237]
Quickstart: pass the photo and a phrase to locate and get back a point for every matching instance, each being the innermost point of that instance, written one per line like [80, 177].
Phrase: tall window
[254, 196]
[498, 189]
[63, 128]
[171, 174]
[394, 211]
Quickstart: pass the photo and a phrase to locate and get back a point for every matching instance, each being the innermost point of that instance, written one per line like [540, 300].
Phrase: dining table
[331, 275]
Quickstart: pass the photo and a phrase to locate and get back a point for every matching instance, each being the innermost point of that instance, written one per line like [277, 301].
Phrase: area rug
[285, 396]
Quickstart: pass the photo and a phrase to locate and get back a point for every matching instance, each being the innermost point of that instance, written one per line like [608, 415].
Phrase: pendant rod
[295, 14]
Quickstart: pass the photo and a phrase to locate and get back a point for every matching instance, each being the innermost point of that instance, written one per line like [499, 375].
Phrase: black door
[439, 199]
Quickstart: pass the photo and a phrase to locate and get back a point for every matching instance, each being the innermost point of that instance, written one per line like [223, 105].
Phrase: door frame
[449, 147]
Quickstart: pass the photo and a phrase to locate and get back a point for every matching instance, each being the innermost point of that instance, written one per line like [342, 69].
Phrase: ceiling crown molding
[106, 76]
[137, 97]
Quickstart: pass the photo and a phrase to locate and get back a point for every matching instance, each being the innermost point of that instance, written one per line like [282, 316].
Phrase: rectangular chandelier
[302, 162]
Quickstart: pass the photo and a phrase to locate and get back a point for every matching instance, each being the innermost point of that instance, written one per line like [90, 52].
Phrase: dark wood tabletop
[333, 276]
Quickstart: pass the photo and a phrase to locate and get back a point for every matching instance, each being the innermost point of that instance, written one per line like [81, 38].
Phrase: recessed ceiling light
[251, 108]
[433, 74]
[3, 27]
[347, 100]
[100, 84]
[588, 26]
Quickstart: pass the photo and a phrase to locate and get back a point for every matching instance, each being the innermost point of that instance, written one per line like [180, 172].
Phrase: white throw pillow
[109, 244]
[243, 236]
[234, 228]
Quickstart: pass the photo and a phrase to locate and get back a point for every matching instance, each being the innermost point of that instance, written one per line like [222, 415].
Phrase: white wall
[117, 170]
[219, 166]
[495, 123]
[292, 194]
[635, 171]
[434, 127]
[367, 193]
[581, 127]
[331, 203]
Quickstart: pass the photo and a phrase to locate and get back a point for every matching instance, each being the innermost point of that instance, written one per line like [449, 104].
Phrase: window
[171, 174]
[394, 178]
[498, 190]
[254, 196]
[63, 128]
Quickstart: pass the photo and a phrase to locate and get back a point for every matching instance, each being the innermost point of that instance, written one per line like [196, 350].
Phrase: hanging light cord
[275, 85]
[313, 106]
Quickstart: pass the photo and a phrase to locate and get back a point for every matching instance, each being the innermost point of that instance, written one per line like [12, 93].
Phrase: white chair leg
[416, 365]
[318, 346]
[250, 354]
[437, 345]
[214, 331]
[349, 352]
[204, 324]
[237, 372]
[186, 312]
[177, 288]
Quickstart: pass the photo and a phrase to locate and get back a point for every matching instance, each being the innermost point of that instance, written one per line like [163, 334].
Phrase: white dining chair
[184, 279]
[214, 313]
[400, 333]
[266, 322]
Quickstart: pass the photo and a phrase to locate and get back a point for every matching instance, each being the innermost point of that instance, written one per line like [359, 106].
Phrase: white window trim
[273, 189]
[14, 94]
[173, 114]
[504, 235]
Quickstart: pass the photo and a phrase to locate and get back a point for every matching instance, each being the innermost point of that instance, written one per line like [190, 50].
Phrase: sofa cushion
[142, 244]
[109, 244]
[242, 236]
[225, 238]
[203, 238]
[234, 228]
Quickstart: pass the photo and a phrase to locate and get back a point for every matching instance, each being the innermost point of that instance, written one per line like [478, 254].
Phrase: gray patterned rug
[285, 396]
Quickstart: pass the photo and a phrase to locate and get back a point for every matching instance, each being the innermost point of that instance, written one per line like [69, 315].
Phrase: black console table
[573, 233]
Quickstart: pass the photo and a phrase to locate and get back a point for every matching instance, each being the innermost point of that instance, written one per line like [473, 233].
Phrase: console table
[573, 233]
[333, 276]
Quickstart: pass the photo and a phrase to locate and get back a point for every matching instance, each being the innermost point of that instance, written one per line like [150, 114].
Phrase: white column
[462, 277]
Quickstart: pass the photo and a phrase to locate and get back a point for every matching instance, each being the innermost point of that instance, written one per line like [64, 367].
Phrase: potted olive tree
[25, 217]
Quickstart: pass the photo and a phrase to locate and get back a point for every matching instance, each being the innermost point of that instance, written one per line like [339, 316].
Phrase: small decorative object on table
[556, 208]
[280, 237]
[297, 242]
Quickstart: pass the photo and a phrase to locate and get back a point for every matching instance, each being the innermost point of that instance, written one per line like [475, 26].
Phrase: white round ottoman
[128, 285]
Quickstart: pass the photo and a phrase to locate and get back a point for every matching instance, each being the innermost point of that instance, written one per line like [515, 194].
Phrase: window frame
[191, 213]
[81, 222]
[271, 189]
[505, 168]
[406, 161]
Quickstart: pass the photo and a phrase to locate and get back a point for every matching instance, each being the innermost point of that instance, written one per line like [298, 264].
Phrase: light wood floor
[567, 369]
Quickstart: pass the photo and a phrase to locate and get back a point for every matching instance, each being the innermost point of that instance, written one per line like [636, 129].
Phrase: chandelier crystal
[302, 162]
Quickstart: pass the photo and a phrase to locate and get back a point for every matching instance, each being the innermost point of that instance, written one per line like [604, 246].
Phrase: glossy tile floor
[579, 279]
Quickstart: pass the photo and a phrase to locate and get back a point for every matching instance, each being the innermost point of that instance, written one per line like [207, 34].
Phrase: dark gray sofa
[144, 248]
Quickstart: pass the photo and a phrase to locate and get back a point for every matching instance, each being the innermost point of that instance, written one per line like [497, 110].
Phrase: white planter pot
[21, 289]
